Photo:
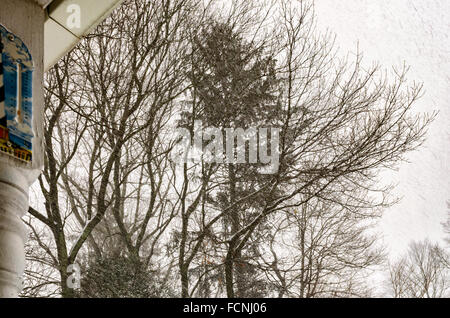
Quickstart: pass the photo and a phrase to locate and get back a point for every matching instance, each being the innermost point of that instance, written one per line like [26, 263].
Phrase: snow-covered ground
[415, 32]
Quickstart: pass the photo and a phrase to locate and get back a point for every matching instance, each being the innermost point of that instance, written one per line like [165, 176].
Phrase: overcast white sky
[417, 32]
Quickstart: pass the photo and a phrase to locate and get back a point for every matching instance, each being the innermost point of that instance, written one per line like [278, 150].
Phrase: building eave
[43, 3]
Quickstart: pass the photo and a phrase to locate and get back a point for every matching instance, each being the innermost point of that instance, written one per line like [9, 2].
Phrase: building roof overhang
[43, 3]
[63, 29]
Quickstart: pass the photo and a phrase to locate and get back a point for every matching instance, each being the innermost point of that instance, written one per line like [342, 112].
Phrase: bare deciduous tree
[421, 273]
[322, 250]
[109, 103]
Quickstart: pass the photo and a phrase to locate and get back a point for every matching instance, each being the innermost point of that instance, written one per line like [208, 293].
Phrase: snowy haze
[415, 32]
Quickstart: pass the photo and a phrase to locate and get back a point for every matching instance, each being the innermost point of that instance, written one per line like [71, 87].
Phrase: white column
[13, 205]
[24, 18]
